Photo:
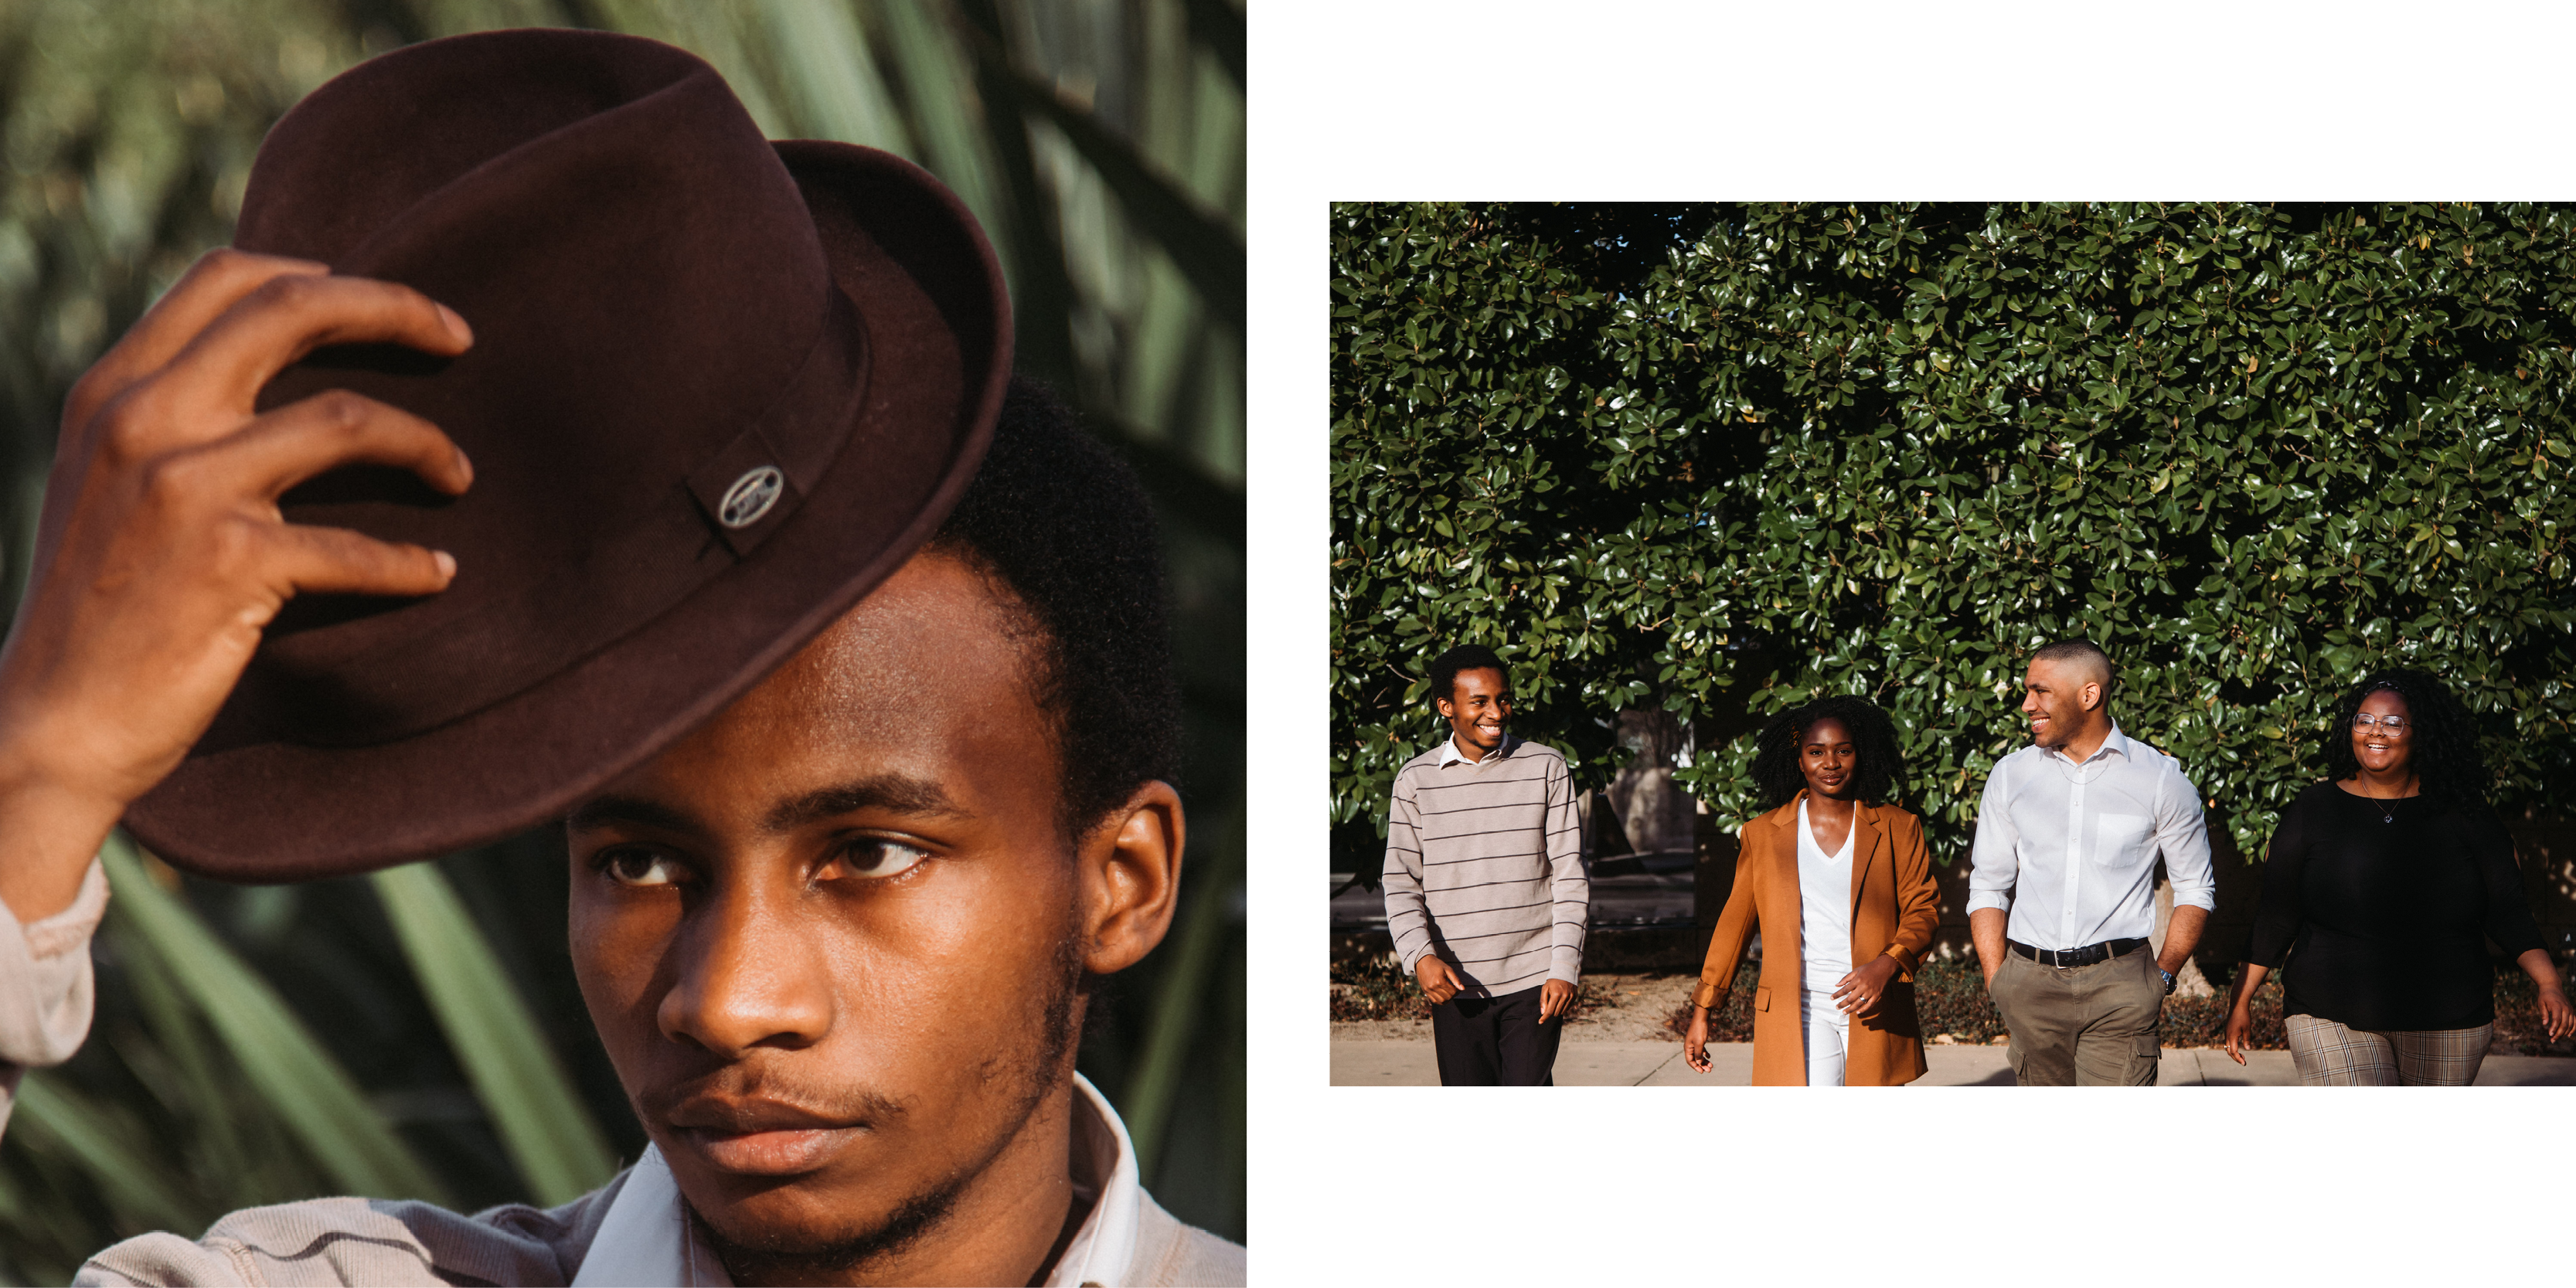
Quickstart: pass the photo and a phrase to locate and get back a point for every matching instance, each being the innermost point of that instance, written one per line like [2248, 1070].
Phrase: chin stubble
[780, 1257]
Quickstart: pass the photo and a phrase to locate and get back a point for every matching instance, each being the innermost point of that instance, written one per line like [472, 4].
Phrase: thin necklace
[2387, 805]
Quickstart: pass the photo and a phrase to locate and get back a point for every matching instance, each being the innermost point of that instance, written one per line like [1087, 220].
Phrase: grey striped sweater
[1484, 865]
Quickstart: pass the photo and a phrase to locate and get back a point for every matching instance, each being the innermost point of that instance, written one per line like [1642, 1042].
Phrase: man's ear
[1131, 878]
[1448, 709]
[2093, 696]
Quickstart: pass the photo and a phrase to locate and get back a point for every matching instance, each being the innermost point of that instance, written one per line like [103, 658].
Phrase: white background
[2020, 1188]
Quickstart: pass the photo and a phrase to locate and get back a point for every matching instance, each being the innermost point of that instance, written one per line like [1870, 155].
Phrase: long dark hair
[1879, 776]
[2445, 754]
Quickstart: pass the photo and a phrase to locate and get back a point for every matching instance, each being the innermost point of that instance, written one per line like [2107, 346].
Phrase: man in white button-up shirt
[2061, 899]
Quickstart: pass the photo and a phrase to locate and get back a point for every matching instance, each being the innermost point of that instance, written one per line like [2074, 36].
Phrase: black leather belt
[2085, 956]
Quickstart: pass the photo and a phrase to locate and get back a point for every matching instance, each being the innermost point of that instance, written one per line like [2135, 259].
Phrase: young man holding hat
[626, 469]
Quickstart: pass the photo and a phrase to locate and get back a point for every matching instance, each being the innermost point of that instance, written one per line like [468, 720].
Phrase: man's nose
[746, 977]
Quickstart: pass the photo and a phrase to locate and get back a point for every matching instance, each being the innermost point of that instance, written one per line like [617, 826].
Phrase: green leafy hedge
[1887, 450]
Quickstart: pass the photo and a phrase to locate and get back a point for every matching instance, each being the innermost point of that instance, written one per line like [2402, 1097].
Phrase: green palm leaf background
[417, 1032]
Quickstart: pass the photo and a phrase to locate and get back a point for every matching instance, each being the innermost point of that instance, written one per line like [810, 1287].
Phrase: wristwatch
[2169, 980]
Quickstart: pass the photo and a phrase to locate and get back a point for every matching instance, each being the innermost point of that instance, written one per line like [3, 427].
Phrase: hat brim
[930, 292]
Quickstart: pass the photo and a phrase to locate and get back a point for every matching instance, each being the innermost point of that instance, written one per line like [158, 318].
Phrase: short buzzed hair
[1465, 657]
[2083, 653]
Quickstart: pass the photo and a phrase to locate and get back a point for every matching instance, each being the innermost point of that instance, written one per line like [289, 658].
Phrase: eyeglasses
[2393, 724]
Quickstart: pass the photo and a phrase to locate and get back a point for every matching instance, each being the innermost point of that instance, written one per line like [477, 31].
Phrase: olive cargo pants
[2082, 1026]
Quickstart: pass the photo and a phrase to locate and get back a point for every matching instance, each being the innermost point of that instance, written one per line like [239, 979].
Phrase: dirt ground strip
[1615, 1008]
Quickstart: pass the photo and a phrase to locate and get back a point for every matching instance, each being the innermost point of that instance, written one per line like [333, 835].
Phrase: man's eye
[640, 868]
[875, 856]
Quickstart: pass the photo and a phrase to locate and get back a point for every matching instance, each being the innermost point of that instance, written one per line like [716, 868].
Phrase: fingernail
[464, 464]
[455, 325]
[446, 563]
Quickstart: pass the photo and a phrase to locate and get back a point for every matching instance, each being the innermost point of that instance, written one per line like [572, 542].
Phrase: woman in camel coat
[1835, 1000]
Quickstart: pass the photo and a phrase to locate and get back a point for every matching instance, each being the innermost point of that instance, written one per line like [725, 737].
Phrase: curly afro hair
[2445, 755]
[1064, 527]
[1879, 777]
[1465, 657]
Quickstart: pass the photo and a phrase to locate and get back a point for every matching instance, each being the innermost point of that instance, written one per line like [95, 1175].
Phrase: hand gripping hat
[719, 390]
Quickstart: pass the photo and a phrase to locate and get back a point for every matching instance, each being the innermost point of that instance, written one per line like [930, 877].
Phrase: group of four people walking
[2382, 886]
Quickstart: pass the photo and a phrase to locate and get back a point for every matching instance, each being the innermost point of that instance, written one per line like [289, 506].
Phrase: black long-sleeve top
[2382, 909]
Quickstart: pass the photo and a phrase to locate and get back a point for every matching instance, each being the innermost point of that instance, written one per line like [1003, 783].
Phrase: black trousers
[1494, 1041]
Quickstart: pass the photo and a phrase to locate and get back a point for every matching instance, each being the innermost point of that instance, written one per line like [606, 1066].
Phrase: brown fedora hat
[720, 389]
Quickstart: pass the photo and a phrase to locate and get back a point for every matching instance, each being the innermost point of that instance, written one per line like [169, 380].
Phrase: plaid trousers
[2330, 1055]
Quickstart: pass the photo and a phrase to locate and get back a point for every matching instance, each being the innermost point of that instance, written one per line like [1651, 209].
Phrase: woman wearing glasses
[2380, 890]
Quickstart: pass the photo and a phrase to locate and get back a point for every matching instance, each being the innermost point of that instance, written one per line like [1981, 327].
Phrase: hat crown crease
[880, 414]
[679, 182]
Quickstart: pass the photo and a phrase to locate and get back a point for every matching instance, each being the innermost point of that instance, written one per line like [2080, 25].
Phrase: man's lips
[760, 1137]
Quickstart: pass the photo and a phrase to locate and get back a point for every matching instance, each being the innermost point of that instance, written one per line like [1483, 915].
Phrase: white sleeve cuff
[46, 989]
[1995, 899]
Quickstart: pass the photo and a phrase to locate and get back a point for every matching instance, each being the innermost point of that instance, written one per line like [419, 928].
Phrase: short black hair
[1878, 776]
[2080, 649]
[1064, 526]
[1465, 657]
[2445, 754]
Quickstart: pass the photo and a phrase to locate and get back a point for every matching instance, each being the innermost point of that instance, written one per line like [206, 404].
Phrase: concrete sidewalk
[1386, 1062]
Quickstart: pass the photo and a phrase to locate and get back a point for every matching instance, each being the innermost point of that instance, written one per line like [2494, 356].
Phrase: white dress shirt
[2070, 848]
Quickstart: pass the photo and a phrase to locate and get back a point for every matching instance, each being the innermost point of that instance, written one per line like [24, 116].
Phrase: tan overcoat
[1895, 908]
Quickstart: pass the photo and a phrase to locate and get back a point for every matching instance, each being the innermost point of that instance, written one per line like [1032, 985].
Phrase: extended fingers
[328, 430]
[337, 561]
[290, 315]
[215, 283]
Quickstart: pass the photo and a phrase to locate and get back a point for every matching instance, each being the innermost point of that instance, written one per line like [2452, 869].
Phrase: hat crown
[650, 303]
[695, 444]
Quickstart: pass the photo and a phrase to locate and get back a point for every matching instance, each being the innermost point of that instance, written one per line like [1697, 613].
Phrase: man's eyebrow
[899, 793]
[602, 811]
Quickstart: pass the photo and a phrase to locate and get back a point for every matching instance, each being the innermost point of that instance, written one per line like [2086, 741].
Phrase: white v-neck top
[1824, 906]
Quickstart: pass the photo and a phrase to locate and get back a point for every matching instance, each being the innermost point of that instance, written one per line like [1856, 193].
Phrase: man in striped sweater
[1485, 890]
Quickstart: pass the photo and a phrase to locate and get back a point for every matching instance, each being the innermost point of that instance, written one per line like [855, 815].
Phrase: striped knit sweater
[1484, 865]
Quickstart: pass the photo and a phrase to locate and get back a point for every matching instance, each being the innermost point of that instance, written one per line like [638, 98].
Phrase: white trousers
[1827, 1028]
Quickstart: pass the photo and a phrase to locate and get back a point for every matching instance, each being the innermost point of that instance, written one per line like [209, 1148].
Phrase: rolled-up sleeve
[46, 989]
[1995, 861]
[1407, 923]
[2183, 834]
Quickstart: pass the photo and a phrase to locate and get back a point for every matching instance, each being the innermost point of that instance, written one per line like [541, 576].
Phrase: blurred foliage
[1718, 460]
[1101, 144]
